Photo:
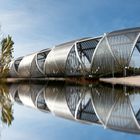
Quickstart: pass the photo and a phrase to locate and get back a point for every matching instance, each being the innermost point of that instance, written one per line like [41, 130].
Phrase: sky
[40, 24]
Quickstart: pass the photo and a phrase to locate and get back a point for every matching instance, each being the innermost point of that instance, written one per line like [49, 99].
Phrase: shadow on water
[113, 107]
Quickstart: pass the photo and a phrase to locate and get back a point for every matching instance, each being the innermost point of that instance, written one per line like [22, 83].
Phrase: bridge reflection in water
[113, 107]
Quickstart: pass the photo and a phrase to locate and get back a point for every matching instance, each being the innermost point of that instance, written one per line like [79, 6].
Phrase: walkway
[130, 81]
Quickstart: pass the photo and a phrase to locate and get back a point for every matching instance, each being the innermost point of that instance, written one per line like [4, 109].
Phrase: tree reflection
[5, 106]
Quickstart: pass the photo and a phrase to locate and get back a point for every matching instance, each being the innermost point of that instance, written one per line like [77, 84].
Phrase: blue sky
[39, 24]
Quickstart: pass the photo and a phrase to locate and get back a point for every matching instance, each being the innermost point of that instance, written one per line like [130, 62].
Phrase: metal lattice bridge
[113, 53]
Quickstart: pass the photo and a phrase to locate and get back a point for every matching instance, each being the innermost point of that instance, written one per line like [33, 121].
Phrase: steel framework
[108, 54]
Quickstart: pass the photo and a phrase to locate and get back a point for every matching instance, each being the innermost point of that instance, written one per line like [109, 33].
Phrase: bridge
[106, 55]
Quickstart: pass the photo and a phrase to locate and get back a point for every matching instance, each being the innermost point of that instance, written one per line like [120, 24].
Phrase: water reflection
[114, 107]
[6, 111]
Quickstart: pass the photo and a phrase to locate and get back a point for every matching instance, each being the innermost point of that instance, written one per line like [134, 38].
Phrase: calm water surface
[59, 111]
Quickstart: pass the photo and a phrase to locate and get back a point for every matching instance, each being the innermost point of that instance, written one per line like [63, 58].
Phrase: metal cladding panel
[56, 101]
[25, 65]
[73, 65]
[79, 58]
[55, 64]
[28, 67]
[87, 47]
[34, 70]
[41, 58]
[121, 46]
[12, 70]
[114, 51]
[102, 62]
[56, 60]
[13, 67]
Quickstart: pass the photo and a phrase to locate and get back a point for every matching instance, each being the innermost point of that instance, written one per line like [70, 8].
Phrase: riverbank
[130, 81]
[50, 79]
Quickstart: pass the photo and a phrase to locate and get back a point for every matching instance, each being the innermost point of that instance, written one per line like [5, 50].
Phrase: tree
[6, 55]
